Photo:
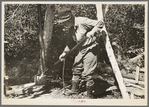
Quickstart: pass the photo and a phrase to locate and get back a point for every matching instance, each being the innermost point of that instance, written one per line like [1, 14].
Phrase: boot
[74, 89]
[89, 92]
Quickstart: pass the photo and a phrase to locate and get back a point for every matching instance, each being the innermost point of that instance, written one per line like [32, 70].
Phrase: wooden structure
[111, 55]
[135, 87]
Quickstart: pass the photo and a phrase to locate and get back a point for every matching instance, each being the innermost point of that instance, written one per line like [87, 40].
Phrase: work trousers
[84, 66]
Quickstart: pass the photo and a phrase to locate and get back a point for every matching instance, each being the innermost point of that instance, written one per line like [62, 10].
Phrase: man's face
[68, 23]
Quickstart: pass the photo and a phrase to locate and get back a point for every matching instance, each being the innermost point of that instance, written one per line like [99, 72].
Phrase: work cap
[62, 15]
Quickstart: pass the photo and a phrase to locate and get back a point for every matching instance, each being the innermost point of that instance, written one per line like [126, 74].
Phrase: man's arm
[62, 56]
[89, 23]
[95, 27]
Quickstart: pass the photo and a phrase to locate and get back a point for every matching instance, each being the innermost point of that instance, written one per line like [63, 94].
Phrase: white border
[136, 102]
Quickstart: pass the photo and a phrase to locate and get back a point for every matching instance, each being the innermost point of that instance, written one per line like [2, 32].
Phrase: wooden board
[111, 56]
[136, 91]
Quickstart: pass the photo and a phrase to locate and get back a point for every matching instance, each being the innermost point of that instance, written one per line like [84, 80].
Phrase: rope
[63, 73]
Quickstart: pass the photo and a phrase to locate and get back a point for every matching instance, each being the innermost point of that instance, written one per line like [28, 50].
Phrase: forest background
[124, 23]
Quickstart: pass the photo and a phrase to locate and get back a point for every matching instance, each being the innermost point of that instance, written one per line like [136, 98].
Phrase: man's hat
[63, 14]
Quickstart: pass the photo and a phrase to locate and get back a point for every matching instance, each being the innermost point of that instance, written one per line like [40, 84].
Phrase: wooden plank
[130, 76]
[132, 96]
[133, 85]
[133, 81]
[142, 69]
[6, 42]
[135, 59]
[25, 88]
[112, 88]
[137, 74]
[111, 56]
[136, 91]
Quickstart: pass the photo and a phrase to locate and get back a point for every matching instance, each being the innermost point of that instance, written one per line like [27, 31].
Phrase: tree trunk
[45, 36]
[42, 51]
[48, 28]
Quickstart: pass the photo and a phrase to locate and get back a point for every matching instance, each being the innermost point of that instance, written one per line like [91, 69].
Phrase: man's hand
[91, 38]
[62, 56]
[90, 34]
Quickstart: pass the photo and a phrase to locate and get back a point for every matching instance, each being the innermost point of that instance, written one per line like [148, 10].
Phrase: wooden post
[4, 75]
[132, 95]
[137, 74]
[111, 56]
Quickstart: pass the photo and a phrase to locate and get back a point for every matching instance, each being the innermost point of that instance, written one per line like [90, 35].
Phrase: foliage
[21, 28]
[123, 22]
[81, 10]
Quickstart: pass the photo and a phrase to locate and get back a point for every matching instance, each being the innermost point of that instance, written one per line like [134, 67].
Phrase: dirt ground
[106, 87]
[55, 90]
[51, 92]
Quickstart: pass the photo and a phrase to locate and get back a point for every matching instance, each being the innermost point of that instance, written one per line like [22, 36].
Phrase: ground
[55, 90]
[105, 87]
[49, 92]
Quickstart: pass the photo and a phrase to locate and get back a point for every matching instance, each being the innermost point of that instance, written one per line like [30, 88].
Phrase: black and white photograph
[74, 53]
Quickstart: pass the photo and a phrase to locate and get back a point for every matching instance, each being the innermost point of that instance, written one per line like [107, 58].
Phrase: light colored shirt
[83, 26]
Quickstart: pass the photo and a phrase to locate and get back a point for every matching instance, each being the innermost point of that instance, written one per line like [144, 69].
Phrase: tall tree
[45, 36]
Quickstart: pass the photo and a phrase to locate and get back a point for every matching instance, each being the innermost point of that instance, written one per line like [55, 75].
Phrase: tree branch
[13, 15]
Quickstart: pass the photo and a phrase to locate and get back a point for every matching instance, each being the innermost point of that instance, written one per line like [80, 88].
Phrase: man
[85, 62]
